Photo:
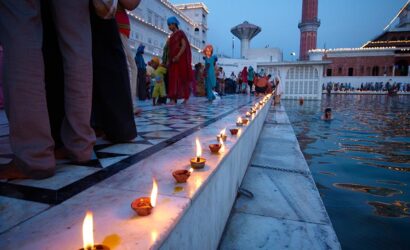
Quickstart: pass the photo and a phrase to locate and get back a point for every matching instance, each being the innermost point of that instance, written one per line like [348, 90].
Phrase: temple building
[149, 26]
[386, 55]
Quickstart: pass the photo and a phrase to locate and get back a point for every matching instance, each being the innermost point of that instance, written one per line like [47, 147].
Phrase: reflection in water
[378, 191]
[397, 209]
[392, 182]
[327, 173]
[367, 142]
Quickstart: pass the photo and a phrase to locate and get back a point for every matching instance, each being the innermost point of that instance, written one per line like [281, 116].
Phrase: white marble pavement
[286, 211]
[187, 216]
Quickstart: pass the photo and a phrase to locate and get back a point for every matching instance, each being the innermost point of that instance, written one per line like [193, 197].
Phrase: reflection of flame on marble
[239, 132]
[222, 150]
[198, 182]
[154, 235]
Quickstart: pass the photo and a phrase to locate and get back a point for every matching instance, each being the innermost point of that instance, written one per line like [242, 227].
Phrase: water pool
[361, 165]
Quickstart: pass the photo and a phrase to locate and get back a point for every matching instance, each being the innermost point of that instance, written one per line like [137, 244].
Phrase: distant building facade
[149, 26]
[386, 55]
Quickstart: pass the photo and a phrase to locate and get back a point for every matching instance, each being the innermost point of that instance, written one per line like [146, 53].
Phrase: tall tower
[308, 28]
[245, 32]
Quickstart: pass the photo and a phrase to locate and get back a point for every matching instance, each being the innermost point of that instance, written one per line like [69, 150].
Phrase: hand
[175, 59]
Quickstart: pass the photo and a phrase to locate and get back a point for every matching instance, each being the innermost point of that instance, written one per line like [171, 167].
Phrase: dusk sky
[344, 23]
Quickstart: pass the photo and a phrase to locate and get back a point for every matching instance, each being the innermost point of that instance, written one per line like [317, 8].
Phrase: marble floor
[157, 127]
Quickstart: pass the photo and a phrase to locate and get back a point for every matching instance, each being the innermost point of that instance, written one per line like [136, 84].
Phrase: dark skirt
[112, 110]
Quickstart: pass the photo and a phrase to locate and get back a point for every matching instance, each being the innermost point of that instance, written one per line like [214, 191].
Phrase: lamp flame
[154, 193]
[88, 237]
[198, 149]
[239, 120]
[223, 131]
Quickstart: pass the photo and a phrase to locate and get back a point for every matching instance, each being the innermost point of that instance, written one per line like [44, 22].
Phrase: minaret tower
[308, 28]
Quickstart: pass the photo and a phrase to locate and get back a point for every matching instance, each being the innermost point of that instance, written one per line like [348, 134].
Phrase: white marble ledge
[115, 223]
[161, 165]
[247, 231]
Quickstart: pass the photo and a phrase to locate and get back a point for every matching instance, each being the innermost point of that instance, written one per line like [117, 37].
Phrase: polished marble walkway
[158, 127]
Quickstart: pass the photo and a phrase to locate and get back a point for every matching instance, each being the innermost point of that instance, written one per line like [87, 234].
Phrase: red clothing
[123, 22]
[244, 75]
[179, 73]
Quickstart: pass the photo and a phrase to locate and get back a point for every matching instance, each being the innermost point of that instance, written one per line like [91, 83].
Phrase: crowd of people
[70, 76]
[210, 80]
[388, 86]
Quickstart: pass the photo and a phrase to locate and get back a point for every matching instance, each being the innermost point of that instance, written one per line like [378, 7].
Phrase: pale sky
[344, 23]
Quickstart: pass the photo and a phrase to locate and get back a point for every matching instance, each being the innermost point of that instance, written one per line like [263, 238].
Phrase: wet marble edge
[272, 233]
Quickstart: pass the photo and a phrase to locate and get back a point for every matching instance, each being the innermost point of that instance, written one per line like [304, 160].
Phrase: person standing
[244, 76]
[210, 79]
[221, 81]
[26, 108]
[178, 62]
[124, 28]
[142, 73]
[251, 78]
[278, 90]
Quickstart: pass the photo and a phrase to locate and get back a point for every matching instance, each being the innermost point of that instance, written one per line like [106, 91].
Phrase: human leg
[132, 68]
[74, 32]
[24, 88]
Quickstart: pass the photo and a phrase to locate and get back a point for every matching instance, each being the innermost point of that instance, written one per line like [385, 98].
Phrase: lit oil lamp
[239, 122]
[181, 176]
[198, 162]
[222, 135]
[234, 131]
[245, 121]
[88, 235]
[248, 114]
[144, 205]
[215, 148]
[260, 102]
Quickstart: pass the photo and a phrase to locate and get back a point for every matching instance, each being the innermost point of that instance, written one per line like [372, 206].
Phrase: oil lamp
[222, 135]
[215, 148]
[234, 131]
[248, 114]
[239, 122]
[88, 235]
[144, 205]
[245, 121]
[198, 162]
[181, 176]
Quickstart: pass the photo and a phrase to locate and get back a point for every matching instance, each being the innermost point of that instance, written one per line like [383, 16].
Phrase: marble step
[187, 216]
[286, 211]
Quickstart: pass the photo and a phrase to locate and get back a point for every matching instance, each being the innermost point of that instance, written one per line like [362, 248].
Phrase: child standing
[159, 85]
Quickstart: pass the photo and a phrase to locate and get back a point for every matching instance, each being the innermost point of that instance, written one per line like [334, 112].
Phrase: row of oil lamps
[144, 205]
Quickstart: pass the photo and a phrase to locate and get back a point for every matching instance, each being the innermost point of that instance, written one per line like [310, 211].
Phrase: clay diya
[245, 121]
[215, 148]
[181, 176]
[143, 205]
[198, 162]
[248, 114]
[234, 131]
